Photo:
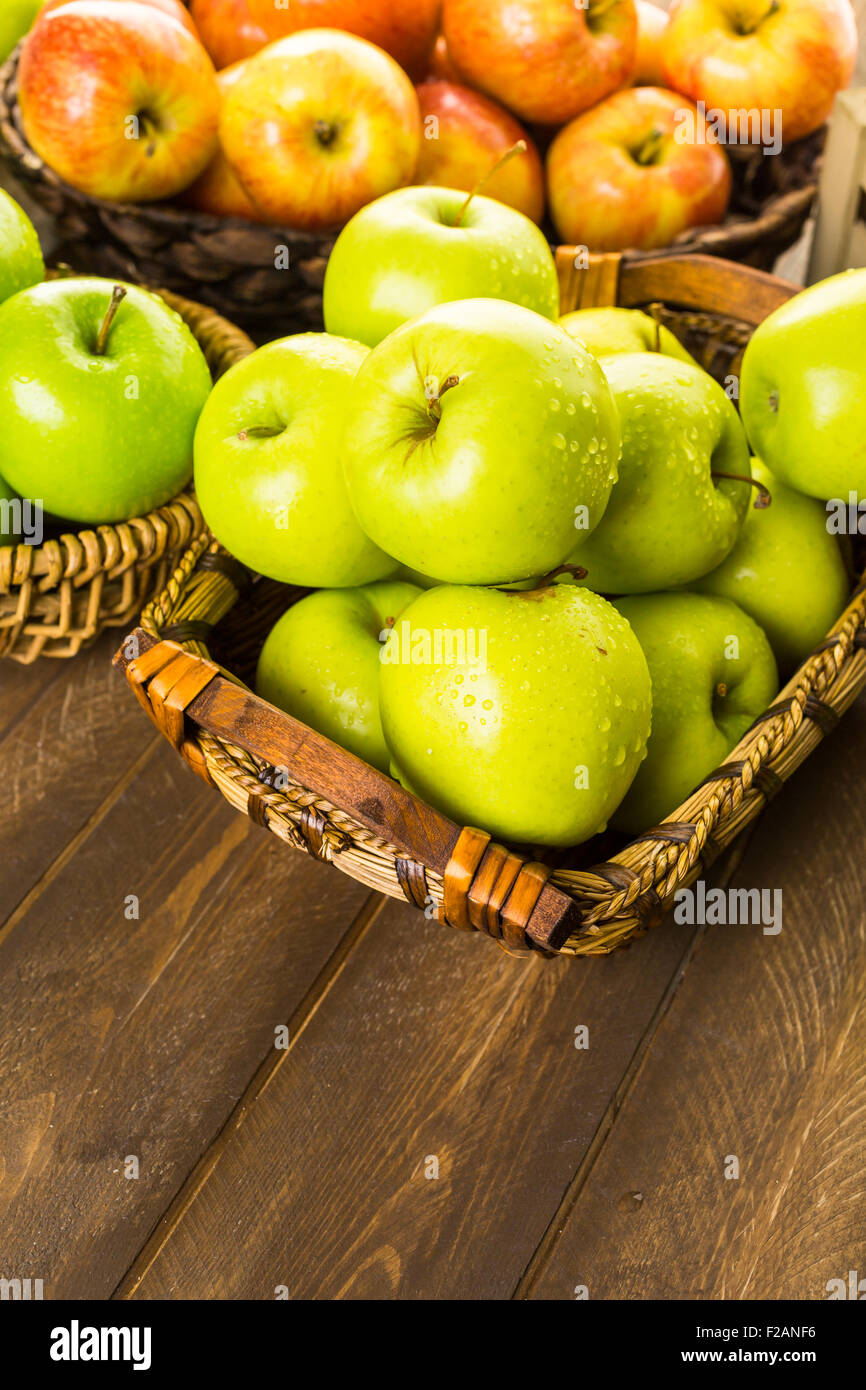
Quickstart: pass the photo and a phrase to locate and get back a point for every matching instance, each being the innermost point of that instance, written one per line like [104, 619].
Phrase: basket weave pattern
[215, 612]
[58, 596]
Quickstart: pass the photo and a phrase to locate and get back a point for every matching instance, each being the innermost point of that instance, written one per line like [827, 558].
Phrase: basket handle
[486, 887]
[706, 283]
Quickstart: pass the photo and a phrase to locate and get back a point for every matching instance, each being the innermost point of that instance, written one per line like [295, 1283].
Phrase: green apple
[525, 713]
[101, 387]
[21, 263]
[267, 465]
[786, 571]
[413, 249]
[320, 663]
[671, 516]
[16, 18]
[713, 673]
[475, 435]
[607, 331]
[803, 388]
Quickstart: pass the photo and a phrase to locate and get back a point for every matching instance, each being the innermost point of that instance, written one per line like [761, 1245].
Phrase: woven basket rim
[737, 234]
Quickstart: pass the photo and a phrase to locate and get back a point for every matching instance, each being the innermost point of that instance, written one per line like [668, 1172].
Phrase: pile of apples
[553, 588]
[297, 115]
[101, 388]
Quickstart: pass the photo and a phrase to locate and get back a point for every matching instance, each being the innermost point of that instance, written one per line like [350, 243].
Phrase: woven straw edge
[141, 551]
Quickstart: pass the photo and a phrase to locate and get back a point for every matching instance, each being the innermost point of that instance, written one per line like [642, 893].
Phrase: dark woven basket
[228, 264]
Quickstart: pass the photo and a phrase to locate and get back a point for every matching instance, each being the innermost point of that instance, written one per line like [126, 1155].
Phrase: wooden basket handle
[705, 283]
[486, 887]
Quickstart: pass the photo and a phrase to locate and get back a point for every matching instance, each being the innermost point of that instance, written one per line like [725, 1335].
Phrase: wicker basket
[230, 264]
[318, 797]
[57, 596]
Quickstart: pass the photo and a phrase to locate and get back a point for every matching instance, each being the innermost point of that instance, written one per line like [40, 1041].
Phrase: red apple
[319, 124]
[228, 30]
[121, 101]
[546, 60]
[404, 28]
[218, 190]
[622, 175]
[169, 7]
[651, 25]
[465, 134]
[791, 56]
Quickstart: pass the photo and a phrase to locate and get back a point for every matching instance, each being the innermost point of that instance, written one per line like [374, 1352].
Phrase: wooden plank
[65, 754]
[22, 686]
[432, 1045]
[127, 1037]
[762, 1056]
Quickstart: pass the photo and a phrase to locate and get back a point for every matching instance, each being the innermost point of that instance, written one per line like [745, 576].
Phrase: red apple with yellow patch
[228, 30]
[406, 29]
[465, 136]
[637, 170]
[791, 56]
[118, 99]
[319, 124]
[651, 25]
[546, 60]
[218, 190]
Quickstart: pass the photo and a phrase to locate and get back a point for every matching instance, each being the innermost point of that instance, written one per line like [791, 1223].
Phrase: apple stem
[721, 690]
[118, 294]
[764, 497]
[576, 572]
[519, 148]
[433, 394]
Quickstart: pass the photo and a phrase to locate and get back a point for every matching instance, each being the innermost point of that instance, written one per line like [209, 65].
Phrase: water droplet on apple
[559, 441]
[468, 700]
[487, 704]
[554, 404]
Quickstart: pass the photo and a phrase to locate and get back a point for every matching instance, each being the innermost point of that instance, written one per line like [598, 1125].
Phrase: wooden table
[431, 1130]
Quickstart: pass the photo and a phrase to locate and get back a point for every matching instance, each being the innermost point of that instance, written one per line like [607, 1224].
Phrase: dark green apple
[320, 663]
[21, 263]
[100, 391]
[786, 571]
[713, 672]
[672, 515]
[422, 246]
[803, 389]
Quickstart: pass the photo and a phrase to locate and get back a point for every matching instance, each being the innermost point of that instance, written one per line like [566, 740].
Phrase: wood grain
[136, 1037]
[74, 741]
[761, 1056]
[431, 1045]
